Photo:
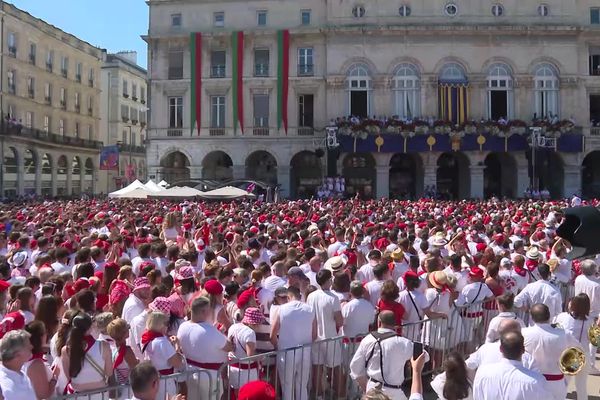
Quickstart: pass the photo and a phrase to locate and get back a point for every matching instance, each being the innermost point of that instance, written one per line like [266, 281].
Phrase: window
[261, 18]
[143, 95]
[124, 137]
[134, 91]
[176, 20]
[125, 88]
[48, 93]
[90, 132]
[78, 70]
[305, 61]
[124, 113]
[261, 62]
[64, 66]
[217, 113]
[543, 10]
[77, 104]
[175, 64]
[305, 17]
[91, 77]
[358, 11]
[219, 19]
[63, 98]
[497, 10]
[500, 95]
[46, 123]
[12, 88]
[77, 130]
[594, 59]
[595, 16]
[29, 119]
[453, 72]
[546, 91]
[31, 87]
[305, 110]
[451, 9]
[407, 94]
[32, 53]
[61, 126]
[261, 110]
[90, 105]
[175, 112]
[49, 60]
[217, 64]
[12, 44]
[404, 11]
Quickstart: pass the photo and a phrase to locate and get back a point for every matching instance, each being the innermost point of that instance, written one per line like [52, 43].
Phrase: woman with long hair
[47, 312]
[453, 383]
[170, 228]
[86, 302]
[577, 322]
[87, 362]
[122, 355]
[214, 292]
[111, 271]
[42, 378]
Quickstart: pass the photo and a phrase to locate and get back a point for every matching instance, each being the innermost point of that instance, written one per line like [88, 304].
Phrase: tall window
[61, 126]
[305, 61]
[90, 105]
[219, 19]
[77, 129]
[546, 91]
[31, 87]
[305, 110]
[217, 114]
[261, 62]
[29, 119]
[64, 66]
[134, 91]
[90, 132]
[12, 88]
[63, 97]
[91, 77]
[359, 84]
[175, 64]
[142, 94]
[261, 110]
[305, 17]
[176, 20]
[217, 64]
[176, 112]
[500, 94]
[48, 92]
[453, 94]
[407, 95]
[12, 44]
[77, 103]
[32, 52]
[261, 18]
[50, 60]
[595, 15]
[125, 88]
[46, 123]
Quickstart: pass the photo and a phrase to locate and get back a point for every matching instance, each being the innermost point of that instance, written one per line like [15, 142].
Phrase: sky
[114, 25]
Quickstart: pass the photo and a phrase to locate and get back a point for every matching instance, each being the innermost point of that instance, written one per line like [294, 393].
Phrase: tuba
[572, 361]
[594, 335]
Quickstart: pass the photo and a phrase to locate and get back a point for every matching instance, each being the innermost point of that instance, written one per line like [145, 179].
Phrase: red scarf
[531, 264]
[149, 336]
[38, 356]
[120, 356]
[89, 340]
[520, 271]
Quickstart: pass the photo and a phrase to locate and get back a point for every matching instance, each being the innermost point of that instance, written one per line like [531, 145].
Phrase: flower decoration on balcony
[442, 127]
[517, 127]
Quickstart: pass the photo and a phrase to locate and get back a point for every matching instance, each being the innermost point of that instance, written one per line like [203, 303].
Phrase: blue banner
[109, 158]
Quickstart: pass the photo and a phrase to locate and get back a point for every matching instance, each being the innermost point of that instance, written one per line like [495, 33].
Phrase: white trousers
[558, 388]
[394, 394]
[293, 368]
[205, 384]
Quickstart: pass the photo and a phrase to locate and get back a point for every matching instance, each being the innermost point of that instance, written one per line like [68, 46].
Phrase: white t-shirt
[295, 321]
[241, 335]
[413, 309]
[202, 342]
[374, 290]
[591, 287]
[358, 315]
[273, 282]
[15, 386]
[324, 305]
[158, 352]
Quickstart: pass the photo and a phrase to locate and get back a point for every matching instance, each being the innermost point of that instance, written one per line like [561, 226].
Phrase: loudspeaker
[581, 227]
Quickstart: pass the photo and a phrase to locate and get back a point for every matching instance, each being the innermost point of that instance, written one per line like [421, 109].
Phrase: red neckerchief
[149, 336]
[38, 356]
[531, 264]
[520, 271]
[120, 356]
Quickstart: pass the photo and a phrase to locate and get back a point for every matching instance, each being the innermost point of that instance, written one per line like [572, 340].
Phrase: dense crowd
[99, 293]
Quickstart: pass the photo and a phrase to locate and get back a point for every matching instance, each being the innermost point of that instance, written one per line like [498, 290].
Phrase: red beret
[476, 272]
[111, 265]
[213, 287]
[244, 298]
[4, 286]
[480, 247]
[256, 390]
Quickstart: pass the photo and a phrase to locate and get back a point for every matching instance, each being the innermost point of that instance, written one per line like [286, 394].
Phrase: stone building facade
[50, 106]
[516, 60]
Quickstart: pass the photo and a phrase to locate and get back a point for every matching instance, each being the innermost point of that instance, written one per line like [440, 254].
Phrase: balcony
[306, 70]
[128, 148]
[78, 78]
[261, 70]
[216, 132]
[49, 66]
[175, 73]
[31, 93]
[174, 132]
[260, 131]
[36, 134]
[595, 131]
[12, 51]
[217, 71]
[64, 73]
[32, 59]
[126, 95]
[143, 101]
[48, 99]
[306, 131]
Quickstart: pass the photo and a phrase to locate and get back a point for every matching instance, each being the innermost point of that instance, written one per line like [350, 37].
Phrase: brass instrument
[572, 361]
[594, 335]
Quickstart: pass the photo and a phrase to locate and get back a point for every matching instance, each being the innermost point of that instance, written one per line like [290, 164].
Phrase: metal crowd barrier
[322, 368]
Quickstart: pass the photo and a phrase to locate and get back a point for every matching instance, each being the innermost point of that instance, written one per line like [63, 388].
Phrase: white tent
[139, 193]
[131, 187]
[153, 187]
[177, 192]
[227, 193]
[163, 183]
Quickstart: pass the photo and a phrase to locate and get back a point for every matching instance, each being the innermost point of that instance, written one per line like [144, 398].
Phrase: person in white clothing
[138, 300]
[508, 379]
[339, 242]
[276, 279]
[204, 347]
[15, 351]
[505, 304]
[328, 313]
[358, 314]
[456, 374]
[589, 284]
[373, 288]
[540, 291]
[377, 361]
[289, 331]
[365, 273]
[546, 343]
[243, 336]
[470, 299]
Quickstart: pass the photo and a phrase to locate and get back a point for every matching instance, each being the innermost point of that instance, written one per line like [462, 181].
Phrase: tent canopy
[163, 183]
[131, 187]
[153, 187]
[177, 192]
[226, 193]
[139, 193]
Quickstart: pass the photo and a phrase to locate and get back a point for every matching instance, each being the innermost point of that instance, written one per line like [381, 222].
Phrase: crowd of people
[99, 293]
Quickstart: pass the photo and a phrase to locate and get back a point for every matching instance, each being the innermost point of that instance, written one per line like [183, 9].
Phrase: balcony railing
[78, 78]
[64, 73]
[306, 70]
[23, 132]
[49, 66]
[174, 132]
[48, 99]
[306, 131]
[216, 131]
[32, 59]
[261, 70]
[595, 131]
[12, 51]
[175, 73]
[260, 131]
[127, 148]
[217, 71]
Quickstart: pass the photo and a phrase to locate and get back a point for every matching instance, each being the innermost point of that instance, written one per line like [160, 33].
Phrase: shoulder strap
[95, 365]
[414, 304]
[477, 295]
[379, 337]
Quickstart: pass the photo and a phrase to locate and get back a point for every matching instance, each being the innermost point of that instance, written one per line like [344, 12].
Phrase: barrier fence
[322, 369]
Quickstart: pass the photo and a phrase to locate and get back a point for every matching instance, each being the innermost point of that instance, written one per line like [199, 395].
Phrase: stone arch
[46, 167]
[175, 167]
[453, 177]
[30, 161]
[406, 176]
[359, 173]
[261, 166]
[590, 174]
[549, 171]
[76, 167]
[306, 173]
[217, 165]
[500, 175]
[498, 60]
[448, 60]
[371, 67]
[62, 166]
[173, 149]
[89, 168]
[545, 60]
[404, 60]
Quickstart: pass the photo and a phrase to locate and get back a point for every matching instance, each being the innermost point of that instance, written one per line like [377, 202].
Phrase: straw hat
[438, 279]
[533, 253]
[335, 264]
[397, 255]
[439, 239]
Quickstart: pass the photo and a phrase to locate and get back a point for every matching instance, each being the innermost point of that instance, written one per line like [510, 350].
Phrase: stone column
[69, 179]
[382, 181]
[239, 171]
[572, 180]
[38, 178]
[429, 170]
[522, 174]
[283, 179]
[476, 181]
[54, 189]
[20, 176]
[195, 172]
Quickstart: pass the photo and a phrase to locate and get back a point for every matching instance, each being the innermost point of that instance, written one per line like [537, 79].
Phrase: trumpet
[572, 361]
[594, 335]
